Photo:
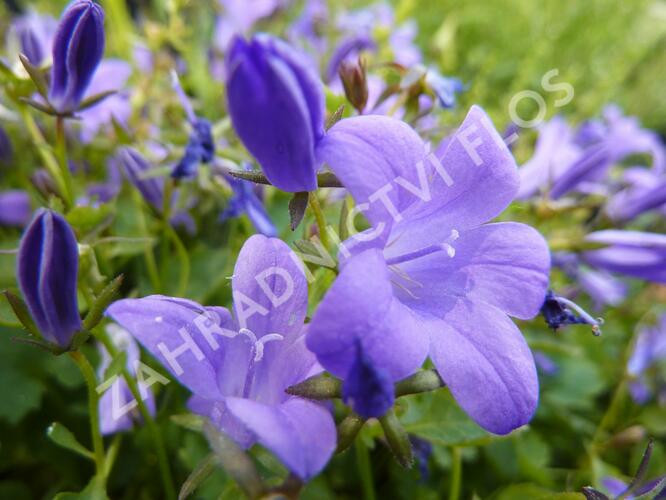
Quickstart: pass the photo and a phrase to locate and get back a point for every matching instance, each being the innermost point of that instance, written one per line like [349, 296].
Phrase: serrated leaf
[336, 116]
[62, 436]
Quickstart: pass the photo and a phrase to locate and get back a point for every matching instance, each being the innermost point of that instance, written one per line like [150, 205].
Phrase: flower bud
[276, 103]
[44, 183]
[77, 50]
[353, 76]
[47, 271]
[136, 167]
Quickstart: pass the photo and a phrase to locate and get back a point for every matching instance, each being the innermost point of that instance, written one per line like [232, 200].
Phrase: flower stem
[46, 153]
[61, 153]
[149, 256]
[182, 256]
[93, 408]
[165, 471]
[456, 473]
[364, 469]
[313, 202]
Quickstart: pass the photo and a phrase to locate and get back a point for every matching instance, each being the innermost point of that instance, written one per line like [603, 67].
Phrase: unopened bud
[354, 79]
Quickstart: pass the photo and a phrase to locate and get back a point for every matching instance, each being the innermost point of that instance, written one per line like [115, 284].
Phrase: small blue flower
[559, 311]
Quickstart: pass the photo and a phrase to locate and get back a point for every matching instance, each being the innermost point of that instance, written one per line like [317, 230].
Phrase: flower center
[422, 252]
[257, 353]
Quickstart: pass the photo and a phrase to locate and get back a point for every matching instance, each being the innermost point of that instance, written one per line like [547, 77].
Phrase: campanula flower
[246, 199]
[645, 191]
[112, 74]
[32, 35]
[276, 103]
[136, 169]
[430, 276]
[238, 366]
[77, 50]
[200, 146]
[445, 88]
[566, 159]
[240, 16]
[649, 349]
[116, 411]
[632, 253]
[15, 208]
[47, 269]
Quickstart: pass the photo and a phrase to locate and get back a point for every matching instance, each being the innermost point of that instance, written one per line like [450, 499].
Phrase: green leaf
[86, 218]
[62, 436]
[19, 393]
[199, 475]
[95, 99]
[437, 418]
[94, 491]
[36, 75]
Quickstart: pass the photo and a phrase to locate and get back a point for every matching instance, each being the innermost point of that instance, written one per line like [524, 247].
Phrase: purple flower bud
[14, 208]
[48, 265]
[354, 80]
[276, 103]
[77, 50]
[136, 167]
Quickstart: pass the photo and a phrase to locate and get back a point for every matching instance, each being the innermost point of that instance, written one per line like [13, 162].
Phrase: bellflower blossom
[246, 199]
[645, 191]
[430, 276]
[276, 103]
[632, 253]
[15, 208]
[200, 146]
[32, 35]
[565, 160]
[240, 16]
[113, 404]
[239, 366]
[650, 348]
[112, 74]
[77, 50]
[47, 271]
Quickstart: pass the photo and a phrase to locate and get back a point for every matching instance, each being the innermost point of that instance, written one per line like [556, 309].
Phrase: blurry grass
[609, 50]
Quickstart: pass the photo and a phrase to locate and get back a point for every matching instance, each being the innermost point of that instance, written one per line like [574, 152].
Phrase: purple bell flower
[32, 35]
[632, 253]
[136, 168]
[276, 103]
[559, 311]
[431, 277]
[238, 366]
[246, 200]
[649, 349]
[15, 208]
[114, 405]
[646, 191]
[47, 269]
[367, 388]
[77, 50]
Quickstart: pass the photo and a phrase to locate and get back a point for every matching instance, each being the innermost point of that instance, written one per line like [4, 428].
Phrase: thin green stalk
[456, 473]
[46, 153]
[313, 202]
[61, 153]
[364, 469]
[93, 408]
[149, 256]
[165, 471]
[182, 256]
